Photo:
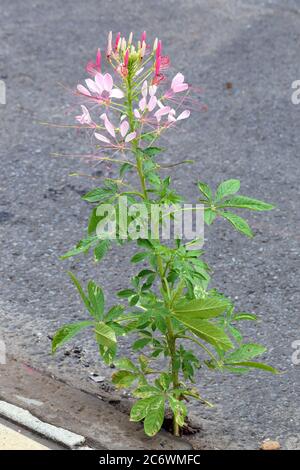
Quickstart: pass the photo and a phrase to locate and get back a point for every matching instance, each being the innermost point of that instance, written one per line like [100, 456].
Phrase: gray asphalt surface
[250, 132]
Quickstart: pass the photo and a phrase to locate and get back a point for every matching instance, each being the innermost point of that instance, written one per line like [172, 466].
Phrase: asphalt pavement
[245, 56]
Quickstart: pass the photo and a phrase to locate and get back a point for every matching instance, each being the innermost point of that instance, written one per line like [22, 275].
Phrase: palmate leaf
[226, 188]
[244, 202]
[67, 332]
[238, 222]
[199, 308]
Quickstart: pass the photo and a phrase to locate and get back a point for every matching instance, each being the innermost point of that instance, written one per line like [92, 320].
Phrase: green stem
[171, 338]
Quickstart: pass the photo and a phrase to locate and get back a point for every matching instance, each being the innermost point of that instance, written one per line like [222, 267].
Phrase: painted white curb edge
[26, 419]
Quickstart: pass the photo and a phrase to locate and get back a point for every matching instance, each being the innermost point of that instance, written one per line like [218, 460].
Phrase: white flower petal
[124, 128]
[102, 138]
[152, 103]
[152, 90]
[130, 136]
[145, 89]
[116, 93]
[108, 82]
[142, 104]
[92, 86]
[184, 115]
[83, 90]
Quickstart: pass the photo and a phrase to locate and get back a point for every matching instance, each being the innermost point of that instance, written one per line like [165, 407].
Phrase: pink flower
[85, 117]
[162, 112]
[100, 88]
[178, 84]
[172, 115]
[122, 130]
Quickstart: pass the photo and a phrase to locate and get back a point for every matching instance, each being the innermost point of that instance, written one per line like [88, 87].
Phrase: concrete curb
[26, 419]
[49, 400]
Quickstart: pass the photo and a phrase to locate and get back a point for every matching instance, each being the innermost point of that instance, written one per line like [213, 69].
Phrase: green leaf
[179, 409]
[205, 190]
[144, 243]
[114, 312]
[226, 188]
[101, 194]
[84, 298]
[238, 222]
[209, 215]
[126, 364]
[140, 343]
[245, 202]
[105, 335]
[146, 391]
[125, 293]
[152, 151]
[96, 298]
[244, 316]
[93, 221]
[155, 416]
[149, 136]
[123, 378]
[139, 257]
[82, 247]
[140, 408]
[200, 308]
[257, 365]
[101, 249]
[244, 353]
[67, 332]
[209, 332]
[125, 168]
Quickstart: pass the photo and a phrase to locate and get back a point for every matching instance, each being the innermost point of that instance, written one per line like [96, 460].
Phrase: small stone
[97, 378]
[267, 444]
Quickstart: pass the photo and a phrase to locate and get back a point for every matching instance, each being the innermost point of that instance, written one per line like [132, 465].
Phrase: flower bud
[130, 39]
[109, 44]
[117, 43]
[126, 58]
[143, 49]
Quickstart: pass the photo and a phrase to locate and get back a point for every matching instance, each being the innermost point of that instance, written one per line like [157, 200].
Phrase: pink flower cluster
[142, 97]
